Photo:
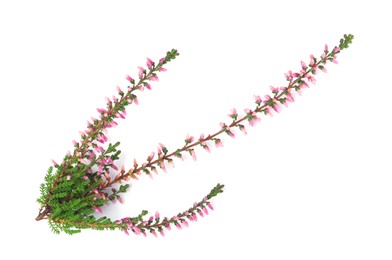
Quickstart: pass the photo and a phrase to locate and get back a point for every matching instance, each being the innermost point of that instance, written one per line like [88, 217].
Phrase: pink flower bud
[162, 69]
[303, 64]
[162, 60]
[149, 63]
[119, 89]
[157, 215]
[193, 155]
[97, 209]
[161, 232]
[178, 225]
[126, 232]
[185, 223]
[326, 47]
[148, 86]
[154, 78]
[210, 206]
[68, 177]
[127, 77]
[136, 230]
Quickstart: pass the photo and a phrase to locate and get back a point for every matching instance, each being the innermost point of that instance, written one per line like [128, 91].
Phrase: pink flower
[162, 69]
[136, 230]
[205, 210]
[120, 200]
[274, 90]
[162, 60]
[148, 86]
[97, 209]
[119, 89]
[303, 64]
[141, 71]
[161, 232]
[154, 233]
[185, 223]
[210, 206]
[336, 49]
[150, 63]
[74, 143]
[189, 139]
[289, 97]
[178, 225]
[218, 143]
[168, 226]
[127, 77]
[157, 215]
[276, 107]
[154, 78]
[68, 177]
[193, 154]
[324, 70]
[151, 156]
[326, 47]
[54, 163]
[194, 216]
[311, 60]
[126, 232]
[257, 99]
[242, 128]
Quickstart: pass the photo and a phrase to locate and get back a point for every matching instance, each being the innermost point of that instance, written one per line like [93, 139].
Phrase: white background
[313, 182]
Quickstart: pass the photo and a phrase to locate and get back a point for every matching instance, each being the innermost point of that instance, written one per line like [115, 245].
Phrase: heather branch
[297, 81]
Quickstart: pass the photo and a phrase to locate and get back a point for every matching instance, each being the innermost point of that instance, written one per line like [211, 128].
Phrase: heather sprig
[297, 81]
[79, 186]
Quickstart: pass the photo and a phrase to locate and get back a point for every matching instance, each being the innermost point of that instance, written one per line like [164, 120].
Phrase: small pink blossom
[193, 154]
[274, 90]
[120, 200]
[126, 232]
[210, 206]
[149, 63]
[303, 65]
[161, 232]
[218, 143]
[157, 215]
[136, 230]
[141, 71]
[178, 225]
[162, 60]
[189, 139]
[185, 223]
[162, 69]
[68, 177]
[154, 78]
[205, 210]
[257, 99]
[54, 163]
[311, 60]
[336, 49]
[97, 209]
[127, 77]
[119, 90]
[326, 47]
[148, 86]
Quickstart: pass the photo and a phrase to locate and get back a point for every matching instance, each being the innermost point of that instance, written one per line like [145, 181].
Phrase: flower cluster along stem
[155, 224]
[283, 95]
[96, 130]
